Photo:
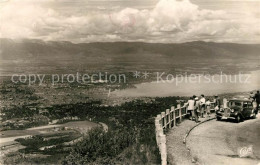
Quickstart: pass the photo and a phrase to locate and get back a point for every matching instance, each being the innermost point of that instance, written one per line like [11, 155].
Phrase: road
[221, 142]
[11, 135]
[7, 138]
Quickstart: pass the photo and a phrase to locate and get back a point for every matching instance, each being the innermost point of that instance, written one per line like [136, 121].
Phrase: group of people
[200, 107]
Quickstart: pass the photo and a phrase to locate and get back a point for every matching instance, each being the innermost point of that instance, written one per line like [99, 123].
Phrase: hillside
[41, 56]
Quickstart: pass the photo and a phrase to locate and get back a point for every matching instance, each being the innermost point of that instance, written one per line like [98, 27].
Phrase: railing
[166, 120]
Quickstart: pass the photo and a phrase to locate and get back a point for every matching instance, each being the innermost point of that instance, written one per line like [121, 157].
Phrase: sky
[157, 21]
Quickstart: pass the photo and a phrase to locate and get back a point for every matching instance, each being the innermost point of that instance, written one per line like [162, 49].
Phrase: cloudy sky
[165, 21]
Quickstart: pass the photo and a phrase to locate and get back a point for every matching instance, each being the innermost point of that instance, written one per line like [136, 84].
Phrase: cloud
[168, 21]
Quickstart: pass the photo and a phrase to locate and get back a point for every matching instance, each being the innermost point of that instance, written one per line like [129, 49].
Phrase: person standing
[191, 108]
[257, 99]
[208, 107]
[225, 103]
[196, 109]
[251, 96]
[217, 103]
[202, 105]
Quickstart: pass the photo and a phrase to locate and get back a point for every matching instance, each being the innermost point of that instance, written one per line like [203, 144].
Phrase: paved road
[220, 142]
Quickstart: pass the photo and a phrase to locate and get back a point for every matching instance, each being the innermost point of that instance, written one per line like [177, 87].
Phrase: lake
[195, 84]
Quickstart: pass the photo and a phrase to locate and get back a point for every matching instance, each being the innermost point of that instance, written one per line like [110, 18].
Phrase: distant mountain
[123, 56]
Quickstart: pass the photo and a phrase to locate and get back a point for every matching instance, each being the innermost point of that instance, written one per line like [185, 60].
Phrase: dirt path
[176, 150]
[220, 142]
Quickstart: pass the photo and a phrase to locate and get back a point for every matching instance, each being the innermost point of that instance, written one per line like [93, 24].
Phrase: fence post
[174, 116]
[163, 150]
[159, 133]
[163, 119]
[180, 112]
[171, 118]
[167, 118]
[157, 128]
[159, 117]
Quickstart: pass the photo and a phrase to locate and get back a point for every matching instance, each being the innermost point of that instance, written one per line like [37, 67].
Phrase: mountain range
[28, 55]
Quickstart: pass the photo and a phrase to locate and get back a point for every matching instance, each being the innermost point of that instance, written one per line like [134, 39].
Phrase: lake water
[189, 85]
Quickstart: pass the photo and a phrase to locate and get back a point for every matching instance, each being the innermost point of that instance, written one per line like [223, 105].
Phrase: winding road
[226, 142]
[7, 138]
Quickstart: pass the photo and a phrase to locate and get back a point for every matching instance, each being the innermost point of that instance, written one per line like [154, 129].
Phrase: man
[251, 96]
[208, 107]
[225, 103]
[196, 109]
[202, 105]
[257, 99]
[191, 108]
[217, 103]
